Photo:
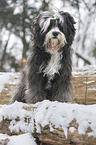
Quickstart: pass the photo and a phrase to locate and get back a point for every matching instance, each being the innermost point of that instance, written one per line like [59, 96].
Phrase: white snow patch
[94, 88]
[4, 78]
[7, 78]
[3, 136]
[88, 69]
[72, 129]
[24, 139]
[90, 134]
[88, 82]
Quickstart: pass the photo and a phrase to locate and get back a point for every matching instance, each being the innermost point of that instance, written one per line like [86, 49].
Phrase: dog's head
[53, 31]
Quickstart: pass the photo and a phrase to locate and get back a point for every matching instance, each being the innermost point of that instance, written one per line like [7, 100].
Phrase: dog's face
[54, 40]
[54, 30]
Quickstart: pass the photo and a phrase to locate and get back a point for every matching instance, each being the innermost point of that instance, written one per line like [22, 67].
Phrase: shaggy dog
[47, 74]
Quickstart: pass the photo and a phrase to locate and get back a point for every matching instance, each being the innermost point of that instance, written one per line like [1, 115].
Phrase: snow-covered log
[53, 123]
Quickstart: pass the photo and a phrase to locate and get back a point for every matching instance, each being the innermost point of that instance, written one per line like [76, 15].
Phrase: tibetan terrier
[47, 74]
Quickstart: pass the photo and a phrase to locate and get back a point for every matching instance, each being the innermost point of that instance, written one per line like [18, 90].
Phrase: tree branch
[84, 59]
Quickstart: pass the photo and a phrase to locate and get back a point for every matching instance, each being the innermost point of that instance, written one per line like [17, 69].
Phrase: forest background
[16, 18]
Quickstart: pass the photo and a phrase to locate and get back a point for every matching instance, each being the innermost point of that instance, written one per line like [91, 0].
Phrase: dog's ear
[36, 30]
[68, 26]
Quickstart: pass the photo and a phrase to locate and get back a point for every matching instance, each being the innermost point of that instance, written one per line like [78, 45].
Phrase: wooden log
[46, 134]
[55, 137]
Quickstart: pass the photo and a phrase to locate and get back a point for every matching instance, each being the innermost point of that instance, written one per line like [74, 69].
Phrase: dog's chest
[53, 66]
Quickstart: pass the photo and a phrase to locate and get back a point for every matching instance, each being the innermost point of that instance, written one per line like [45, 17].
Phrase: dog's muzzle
[54, 40]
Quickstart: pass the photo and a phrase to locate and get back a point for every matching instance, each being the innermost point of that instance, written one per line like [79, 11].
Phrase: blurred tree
[21, 21]
[6, 13]
[16, 16]
[45, 5]
[85, 40]
[7, 61]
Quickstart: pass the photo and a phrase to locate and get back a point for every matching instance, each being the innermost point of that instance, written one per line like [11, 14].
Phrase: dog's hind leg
[20, 91]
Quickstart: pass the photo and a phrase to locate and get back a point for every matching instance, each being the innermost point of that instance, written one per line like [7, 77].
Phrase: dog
[47, 74]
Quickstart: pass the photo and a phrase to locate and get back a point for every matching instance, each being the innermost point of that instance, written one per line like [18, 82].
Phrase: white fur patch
[53, 65]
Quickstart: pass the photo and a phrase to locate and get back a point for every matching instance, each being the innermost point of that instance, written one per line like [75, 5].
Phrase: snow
[61, 116]
[89, 82]
[88, 69]
[94, 88]
[7, 78]
[72, 129]
[56, 114]
[24, 139]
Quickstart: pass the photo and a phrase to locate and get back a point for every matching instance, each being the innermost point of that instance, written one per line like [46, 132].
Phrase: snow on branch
[51, 122]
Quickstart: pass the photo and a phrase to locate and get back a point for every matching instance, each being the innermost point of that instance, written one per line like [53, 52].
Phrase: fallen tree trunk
[51, 122]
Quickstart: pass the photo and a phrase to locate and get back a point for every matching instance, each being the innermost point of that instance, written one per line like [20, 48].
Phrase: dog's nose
[55, 33]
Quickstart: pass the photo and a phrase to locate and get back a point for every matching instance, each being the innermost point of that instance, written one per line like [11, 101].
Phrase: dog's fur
[47, 74]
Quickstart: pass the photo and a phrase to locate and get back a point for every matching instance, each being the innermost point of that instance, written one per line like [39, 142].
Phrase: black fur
[35, 85]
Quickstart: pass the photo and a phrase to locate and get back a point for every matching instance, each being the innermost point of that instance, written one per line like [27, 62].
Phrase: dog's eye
[60, 27]
[53, 22]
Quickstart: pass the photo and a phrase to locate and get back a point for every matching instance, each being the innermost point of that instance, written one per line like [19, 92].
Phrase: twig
[86, 92]
[86, 5]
